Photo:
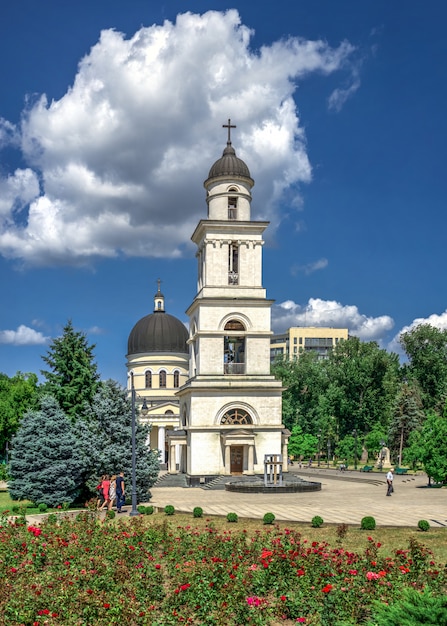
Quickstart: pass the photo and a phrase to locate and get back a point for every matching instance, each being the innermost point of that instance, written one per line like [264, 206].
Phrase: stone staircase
[171, 480]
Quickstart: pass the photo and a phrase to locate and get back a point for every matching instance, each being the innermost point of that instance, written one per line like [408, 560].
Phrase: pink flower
[158, 566]
[327, 588]
[372, 576]
[301, 620]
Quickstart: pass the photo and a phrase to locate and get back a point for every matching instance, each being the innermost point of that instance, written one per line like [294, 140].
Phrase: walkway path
[344, 498]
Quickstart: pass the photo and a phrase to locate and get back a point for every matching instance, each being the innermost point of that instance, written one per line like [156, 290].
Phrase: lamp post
[319, 445]
[328, 452]
[354, 432]
[144, 410]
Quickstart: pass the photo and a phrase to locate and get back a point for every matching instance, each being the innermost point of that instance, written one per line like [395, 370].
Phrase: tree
[426, 348]
[105, 435]
[17, 394]
[301, 444]
[432, 447]
[408, 416]
[73, 379]
[364, 379]
[304, 380]
[46, 465]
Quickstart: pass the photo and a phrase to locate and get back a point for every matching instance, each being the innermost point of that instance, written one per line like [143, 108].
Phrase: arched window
[148, 380]
[234, 348]
[236, 417]
[176, 378]
[233, 263]
[162, 380]
[169, 412]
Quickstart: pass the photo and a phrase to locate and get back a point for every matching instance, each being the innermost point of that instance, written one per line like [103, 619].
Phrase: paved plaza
[344, 498]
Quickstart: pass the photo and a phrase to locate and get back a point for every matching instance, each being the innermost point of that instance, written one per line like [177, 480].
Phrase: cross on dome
[229, 126]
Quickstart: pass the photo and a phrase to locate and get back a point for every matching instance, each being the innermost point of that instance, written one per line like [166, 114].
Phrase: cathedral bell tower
[230, 407]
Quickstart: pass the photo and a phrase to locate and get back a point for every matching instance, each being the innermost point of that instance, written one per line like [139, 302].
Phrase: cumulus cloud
[438, 321]
[122, 155]
[330, 313]
[23, 336]
[340, 95]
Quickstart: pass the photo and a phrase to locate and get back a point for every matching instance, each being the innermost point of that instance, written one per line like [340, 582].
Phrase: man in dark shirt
[120, 492]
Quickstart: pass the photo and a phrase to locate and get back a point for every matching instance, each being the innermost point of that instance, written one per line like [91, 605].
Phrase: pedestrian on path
[120, 492]
[389, 482]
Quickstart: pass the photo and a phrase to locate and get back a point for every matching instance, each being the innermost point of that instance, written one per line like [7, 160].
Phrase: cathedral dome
[229, 165]
[158, 332]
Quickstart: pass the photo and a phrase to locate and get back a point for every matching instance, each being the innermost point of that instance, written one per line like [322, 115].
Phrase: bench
[401, 470]
[366, 468]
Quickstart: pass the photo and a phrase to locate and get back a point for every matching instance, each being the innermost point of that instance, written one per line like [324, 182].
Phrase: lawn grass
[355, 540]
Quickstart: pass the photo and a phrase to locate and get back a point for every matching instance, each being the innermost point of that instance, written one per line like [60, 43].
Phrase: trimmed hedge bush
[269, 518]
[169, 509]
[423, 525]
[317, 521]
[149, 510]
[141, 509]
[197, 511]
[232, 517]
[368, 523]
[43, 508]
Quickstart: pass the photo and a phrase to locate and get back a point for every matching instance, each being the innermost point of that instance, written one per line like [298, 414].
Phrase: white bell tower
[231, 405]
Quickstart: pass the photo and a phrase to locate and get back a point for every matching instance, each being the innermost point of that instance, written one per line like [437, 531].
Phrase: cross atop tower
[229, 126]
[158, 285]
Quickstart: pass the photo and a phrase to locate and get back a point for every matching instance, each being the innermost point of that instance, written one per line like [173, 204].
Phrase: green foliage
[110, 514]
[73, 377]
[431, 447]
[301, 444]
[43, 508]
[232, 517]
[46, 461]
[197, 511]
[269, 518]
[368, 523]
[317, 521]
[4, 471]
[426, 348]
[148, 510]
[423, 525]
[105, 434]
[141, 509]
[169, 509]
[415, 608]
[17, 395]
[408, 416]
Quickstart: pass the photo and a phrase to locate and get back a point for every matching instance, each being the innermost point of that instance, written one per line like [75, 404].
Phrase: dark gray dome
[229, 165]
[158, 332]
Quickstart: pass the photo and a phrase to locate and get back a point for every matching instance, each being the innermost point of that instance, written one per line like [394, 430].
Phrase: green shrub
[368, 523]
[52, 518]
[269, 518]
[141, 509]
[414, 608]
[197, 511]
[149, 510]
[110, 514]
[43, 508]
[423, 525]
[169, 509]
[317, 521]
[65, 506]
[15, 509]
[232, 517]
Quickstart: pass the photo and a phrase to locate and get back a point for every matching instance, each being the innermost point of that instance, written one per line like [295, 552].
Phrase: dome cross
[229, 126]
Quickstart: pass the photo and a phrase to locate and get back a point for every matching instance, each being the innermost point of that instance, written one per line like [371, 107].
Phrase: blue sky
[111, 115]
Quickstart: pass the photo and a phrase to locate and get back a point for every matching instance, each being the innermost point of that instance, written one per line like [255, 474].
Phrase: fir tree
[73, 379]
[105, 435]
[45, 460]
[408, 416]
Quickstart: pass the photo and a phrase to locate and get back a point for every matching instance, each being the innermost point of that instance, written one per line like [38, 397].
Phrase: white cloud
[339, 96]
[23, 336]
[122, 155]
[309, 268]
[438, 321]
[330, 313]
[16, 191]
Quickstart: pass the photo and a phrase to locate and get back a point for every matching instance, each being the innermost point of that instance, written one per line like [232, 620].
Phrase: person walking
[112, 492]
[105, 492]
[100, 493]
[389, 482]
[120, 492]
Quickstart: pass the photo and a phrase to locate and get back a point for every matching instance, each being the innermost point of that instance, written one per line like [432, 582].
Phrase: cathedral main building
[229, 407]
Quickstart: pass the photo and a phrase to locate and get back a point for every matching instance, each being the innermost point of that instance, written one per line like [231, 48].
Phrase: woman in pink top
[105, 485]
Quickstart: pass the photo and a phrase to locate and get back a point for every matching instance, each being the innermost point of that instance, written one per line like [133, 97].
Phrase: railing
[234, 368]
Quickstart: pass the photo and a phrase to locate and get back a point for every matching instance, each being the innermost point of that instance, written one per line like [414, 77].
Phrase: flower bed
[138, 572]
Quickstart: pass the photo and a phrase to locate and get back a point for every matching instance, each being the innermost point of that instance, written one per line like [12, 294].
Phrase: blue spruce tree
[46, 462]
